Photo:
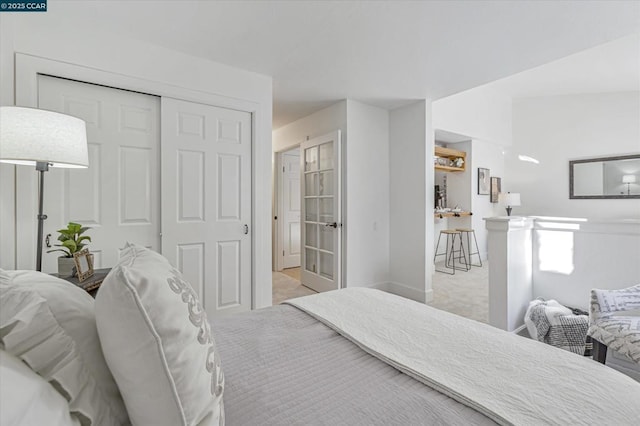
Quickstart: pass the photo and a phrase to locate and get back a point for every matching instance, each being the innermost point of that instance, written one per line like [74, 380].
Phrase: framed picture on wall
[483, 181]
[496, 184]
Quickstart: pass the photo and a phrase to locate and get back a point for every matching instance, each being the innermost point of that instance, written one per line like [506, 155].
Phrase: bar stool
[450, 252]
[468, 231]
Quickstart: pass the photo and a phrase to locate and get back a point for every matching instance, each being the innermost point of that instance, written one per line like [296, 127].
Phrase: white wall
[40, 36]
[481, 113]
[367, 204]
[317, 124]
[489, 156]
[557, 129]
[411, 201]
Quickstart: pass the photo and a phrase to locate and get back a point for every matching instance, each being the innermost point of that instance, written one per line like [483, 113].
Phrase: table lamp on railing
[510, 199]
[35, 137]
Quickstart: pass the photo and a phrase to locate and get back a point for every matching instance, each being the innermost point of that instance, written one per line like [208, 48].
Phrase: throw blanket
[511, 379]
[555, 324]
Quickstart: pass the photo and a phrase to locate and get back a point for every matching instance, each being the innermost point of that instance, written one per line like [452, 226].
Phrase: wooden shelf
[448, 168]
[449, 154]
[452, 214]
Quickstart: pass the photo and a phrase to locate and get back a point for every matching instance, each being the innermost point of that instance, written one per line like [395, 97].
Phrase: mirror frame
[83, 274]
[595, 160]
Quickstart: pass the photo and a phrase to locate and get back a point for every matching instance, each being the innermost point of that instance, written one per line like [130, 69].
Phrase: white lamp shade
[29, 135]
[629, 179]
[510, 199]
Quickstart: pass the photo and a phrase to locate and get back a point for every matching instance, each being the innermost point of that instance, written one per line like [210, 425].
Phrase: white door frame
[278, 235]
[28, 67]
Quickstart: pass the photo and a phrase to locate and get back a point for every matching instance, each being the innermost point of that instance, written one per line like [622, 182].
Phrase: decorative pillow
[157, 342]
[50, 324]
[27, 399]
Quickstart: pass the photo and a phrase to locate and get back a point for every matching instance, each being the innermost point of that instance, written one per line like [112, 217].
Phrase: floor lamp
[43, 139]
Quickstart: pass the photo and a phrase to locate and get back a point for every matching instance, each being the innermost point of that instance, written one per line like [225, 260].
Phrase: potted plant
[71, 241]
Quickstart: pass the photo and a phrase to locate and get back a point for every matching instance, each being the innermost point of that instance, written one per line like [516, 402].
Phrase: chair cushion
[158, 344]
[614, 319]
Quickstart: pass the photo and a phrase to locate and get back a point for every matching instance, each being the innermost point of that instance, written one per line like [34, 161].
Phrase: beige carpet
[293, 273]
[285, 287]
[465, 293]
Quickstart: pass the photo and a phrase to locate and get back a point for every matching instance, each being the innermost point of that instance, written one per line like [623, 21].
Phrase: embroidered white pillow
[157, 342]
[50, 324]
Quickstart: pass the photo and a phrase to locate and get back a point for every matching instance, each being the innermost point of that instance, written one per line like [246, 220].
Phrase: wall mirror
[606, 177]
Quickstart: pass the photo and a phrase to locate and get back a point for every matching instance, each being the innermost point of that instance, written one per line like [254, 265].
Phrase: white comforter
[511, 379]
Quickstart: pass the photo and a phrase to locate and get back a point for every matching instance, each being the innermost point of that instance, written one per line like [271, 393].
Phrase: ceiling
[609, 67]
[387, 53]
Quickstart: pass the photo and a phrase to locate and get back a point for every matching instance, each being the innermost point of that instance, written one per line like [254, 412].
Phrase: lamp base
[508, 211]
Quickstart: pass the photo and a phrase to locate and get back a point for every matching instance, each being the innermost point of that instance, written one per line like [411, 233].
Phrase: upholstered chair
[614, 322]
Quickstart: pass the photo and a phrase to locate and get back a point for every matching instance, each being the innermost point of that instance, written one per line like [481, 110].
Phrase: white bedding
[511, 379]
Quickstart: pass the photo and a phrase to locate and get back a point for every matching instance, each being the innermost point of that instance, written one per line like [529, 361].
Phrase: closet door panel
[206, 201]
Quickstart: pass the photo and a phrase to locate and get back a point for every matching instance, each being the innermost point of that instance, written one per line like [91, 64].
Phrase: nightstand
[91, 284]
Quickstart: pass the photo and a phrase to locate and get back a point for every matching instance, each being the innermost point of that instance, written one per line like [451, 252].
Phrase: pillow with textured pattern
[158, 344]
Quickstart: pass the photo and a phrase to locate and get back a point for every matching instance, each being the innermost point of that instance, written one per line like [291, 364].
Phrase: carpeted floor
[465, 293]
[293, 273]
[286, 286]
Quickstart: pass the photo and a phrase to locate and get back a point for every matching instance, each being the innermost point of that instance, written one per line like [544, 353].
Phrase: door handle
[246, 229]
[331, 225]
[48, 241]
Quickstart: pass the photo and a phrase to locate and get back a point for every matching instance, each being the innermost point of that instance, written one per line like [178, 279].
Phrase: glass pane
[326, 156]
[311, 184]
[326, 210]
[311, 209]
[311, 159]
[311, 260]
[326, 265]
[326, 183]
[311, 235]
[326, 238]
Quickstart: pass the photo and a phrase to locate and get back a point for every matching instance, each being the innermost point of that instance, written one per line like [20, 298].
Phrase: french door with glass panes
[321, 230]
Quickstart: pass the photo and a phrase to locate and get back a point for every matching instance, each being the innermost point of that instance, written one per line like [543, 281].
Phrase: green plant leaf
[83, 230]
[71, 245]
[83, 238]
[66, 252]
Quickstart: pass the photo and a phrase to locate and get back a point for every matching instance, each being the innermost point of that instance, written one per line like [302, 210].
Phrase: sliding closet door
[118, 196]
[206, 201]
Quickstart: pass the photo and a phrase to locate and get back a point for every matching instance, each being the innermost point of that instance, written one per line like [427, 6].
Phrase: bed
[353, 356]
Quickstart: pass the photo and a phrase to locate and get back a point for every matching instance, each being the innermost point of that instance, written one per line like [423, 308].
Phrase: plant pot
[66, 267]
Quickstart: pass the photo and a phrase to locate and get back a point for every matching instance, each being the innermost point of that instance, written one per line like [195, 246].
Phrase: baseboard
[405, 291]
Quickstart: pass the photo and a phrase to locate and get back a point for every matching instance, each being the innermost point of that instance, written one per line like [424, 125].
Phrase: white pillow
[50, 324]
[27, 399]
[157, 342]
